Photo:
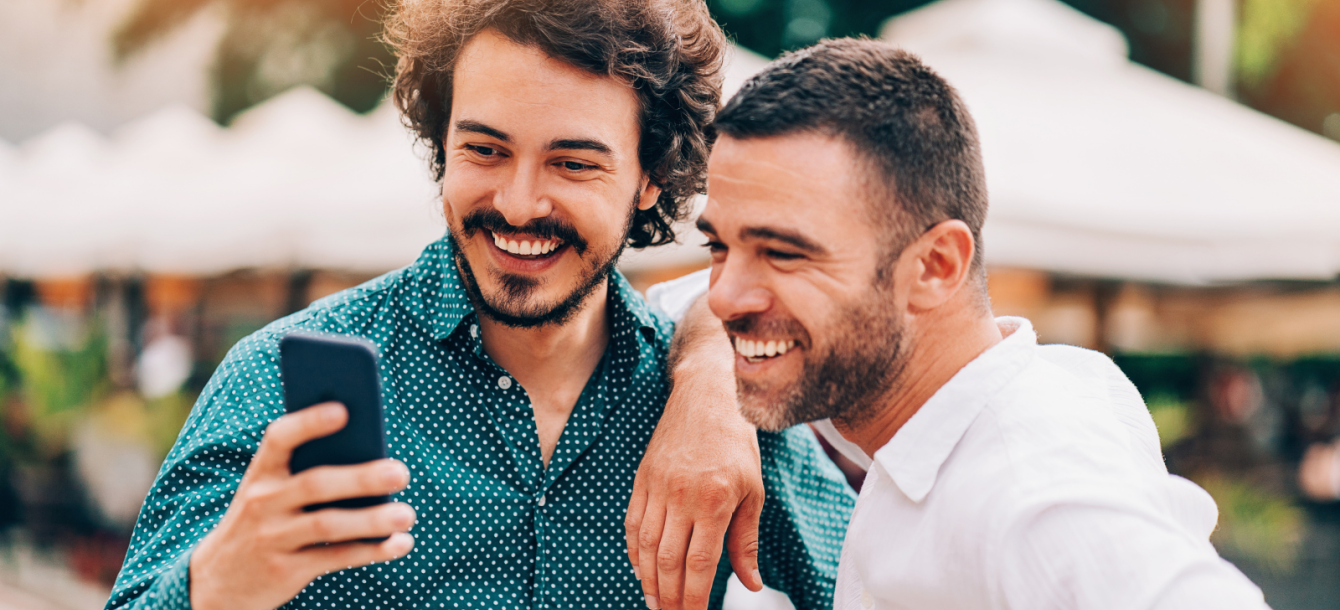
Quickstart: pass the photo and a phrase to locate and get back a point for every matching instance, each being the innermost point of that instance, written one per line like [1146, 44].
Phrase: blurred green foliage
[1254, 523]
[1265, 29]
[1171, 416]
[271, 45]
[56, 384]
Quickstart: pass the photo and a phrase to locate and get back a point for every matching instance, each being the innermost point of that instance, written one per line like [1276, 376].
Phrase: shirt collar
[914, 455]
[436, 271]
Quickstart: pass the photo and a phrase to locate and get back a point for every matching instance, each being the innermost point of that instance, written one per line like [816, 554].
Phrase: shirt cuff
[673, 298]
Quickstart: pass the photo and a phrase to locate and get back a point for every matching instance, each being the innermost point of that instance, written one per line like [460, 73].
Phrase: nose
[521, 199]
[737, 290]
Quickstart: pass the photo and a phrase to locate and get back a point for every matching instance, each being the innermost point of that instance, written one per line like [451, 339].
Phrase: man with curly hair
[522, 376]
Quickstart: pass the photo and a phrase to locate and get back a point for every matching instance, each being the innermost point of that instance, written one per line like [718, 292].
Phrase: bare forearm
[702, 370]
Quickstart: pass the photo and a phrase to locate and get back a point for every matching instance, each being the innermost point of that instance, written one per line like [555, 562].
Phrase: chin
[767, 411]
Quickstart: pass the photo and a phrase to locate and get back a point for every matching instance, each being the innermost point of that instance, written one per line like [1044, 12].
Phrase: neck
[945, 345]
[542, 356]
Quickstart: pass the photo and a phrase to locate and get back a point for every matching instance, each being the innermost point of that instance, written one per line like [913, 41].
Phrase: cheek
[463, 188]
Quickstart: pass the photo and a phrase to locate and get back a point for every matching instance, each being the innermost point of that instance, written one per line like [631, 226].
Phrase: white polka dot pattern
[495, 528]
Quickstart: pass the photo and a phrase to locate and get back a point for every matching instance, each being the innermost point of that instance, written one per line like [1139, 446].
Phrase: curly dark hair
[669, 51]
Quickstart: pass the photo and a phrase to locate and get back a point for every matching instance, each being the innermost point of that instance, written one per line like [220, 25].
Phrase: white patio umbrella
[1100, 167]
[52, 207]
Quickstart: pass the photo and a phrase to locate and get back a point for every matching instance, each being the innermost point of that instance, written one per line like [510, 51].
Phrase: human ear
[649, 195]
[939, 261]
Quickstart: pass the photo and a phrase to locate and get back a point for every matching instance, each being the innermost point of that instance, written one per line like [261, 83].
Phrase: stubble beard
[848, 378]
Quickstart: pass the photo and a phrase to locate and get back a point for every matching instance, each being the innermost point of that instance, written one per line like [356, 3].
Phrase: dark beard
[510, 307]
[847, 380]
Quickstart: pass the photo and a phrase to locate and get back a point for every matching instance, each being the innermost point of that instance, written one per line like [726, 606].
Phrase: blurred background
[174, 174]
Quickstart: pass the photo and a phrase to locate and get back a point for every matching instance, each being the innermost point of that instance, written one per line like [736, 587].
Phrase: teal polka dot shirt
[496, 529]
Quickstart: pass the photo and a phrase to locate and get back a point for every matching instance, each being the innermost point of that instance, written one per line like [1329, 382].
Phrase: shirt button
[474, 331]
[541, 502]
[866, 601]
[504, 382]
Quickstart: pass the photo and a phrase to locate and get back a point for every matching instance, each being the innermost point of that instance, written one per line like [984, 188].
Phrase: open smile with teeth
[758, 351]
[528, 247]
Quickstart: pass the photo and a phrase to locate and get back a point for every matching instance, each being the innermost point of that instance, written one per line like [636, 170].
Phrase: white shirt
[1032, 480]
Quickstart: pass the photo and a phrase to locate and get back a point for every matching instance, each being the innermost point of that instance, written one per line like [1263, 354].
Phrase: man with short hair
[522, 377]
[845, 205]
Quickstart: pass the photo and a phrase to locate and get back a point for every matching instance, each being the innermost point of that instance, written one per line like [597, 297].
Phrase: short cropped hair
[914, 133]
[669, 51]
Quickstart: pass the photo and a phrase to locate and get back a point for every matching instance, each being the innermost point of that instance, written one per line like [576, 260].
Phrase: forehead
[518, 88]
[809, 183]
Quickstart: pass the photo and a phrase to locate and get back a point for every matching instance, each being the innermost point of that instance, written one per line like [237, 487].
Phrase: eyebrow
[793, 238]
[784, 235]
[469, 126]
[582, 144]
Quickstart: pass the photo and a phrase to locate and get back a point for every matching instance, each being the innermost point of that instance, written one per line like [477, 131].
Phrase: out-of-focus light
[1331, 126]
[739, 7]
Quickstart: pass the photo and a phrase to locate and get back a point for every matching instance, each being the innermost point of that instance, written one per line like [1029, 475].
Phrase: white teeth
[762, 349]
[526, 247]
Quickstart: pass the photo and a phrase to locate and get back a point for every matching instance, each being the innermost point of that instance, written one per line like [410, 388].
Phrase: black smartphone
[335, 368]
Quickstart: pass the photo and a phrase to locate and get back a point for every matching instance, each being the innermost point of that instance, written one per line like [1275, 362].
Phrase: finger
[285, 434]
[670, 560]
[325, 559]
[330, 483]
[742, 541]
[632, 525]
[648, 540]
[700, 563]
[334, 525]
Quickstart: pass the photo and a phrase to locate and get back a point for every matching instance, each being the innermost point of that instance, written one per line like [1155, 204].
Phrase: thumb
[742, 541]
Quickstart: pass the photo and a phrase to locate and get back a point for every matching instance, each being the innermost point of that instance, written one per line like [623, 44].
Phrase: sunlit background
[174, 174]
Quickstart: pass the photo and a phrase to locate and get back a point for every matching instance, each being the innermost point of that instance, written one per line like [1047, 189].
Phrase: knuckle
[632, 523]
[694, 599]
[699, 561]
[323, 525]
[648, 539]
[668, 561]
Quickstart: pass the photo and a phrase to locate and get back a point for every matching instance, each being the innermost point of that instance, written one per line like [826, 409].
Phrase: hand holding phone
[276, 537]
[322, 368]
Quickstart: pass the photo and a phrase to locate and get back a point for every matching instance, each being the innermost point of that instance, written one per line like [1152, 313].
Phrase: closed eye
[783, 255]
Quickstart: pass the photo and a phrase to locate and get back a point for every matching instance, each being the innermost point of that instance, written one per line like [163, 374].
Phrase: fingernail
[653, 603]
[758, 578]
[637, 573]
[395, 473]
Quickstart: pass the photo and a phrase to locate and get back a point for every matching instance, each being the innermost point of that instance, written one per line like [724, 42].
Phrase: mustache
[491, 219]
[755, 324]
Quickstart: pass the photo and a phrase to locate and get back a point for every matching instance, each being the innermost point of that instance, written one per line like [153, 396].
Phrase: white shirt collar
[915, 453]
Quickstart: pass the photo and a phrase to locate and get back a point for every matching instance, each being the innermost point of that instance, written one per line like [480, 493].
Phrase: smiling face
[541, 179]
[818, 333]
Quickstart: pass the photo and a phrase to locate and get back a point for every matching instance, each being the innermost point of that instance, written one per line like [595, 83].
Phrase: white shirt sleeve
[1098, 556]
[673, 298]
